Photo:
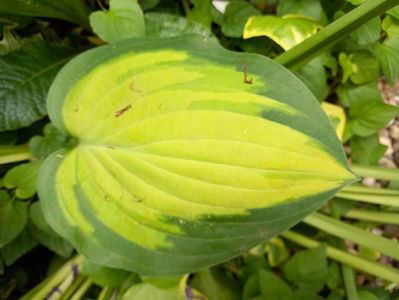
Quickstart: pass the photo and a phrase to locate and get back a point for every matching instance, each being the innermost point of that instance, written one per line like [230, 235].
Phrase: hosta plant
[185, 154]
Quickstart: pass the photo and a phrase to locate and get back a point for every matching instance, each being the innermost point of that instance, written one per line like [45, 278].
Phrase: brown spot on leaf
[132, 88]
[246, 79]
[123, 110]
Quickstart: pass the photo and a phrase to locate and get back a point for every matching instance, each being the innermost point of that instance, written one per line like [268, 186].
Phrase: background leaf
[13, 218]
[273, 287]
[235, 16]
[124, 20]
[23, 179]
[24, 81]
[366, 150]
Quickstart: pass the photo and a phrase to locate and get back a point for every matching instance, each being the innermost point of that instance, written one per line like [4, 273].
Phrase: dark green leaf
[24, 81]
[167, 25]
[365, 295]
[201, 12]
[303, 295]
[308, 8]
[367, 33]
[37, 218]
[235, 17]
[148, 4]
[123, 20]
[70, 10]
[13, 218]
[341, 206]
[104, 276]
[23, 179]
[335, 295]
[351, 94]
[214, 284]
[308, 269]
[9, 43]
[51, 141]
[314, 77]
[18, 247]
[366, 150]
[388, 57]
[273, 287]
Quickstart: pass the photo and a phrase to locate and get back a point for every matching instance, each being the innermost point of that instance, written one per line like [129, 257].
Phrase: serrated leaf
[24, 81]
[388, 56]
[70, 10]
[308, 269]
[235, 17]
[287, 31]
[273, 287]
[360, 67]
[13, 218]
[368, 33]
[124, 20]
[366, 150]
[178, 170]
[22, 178]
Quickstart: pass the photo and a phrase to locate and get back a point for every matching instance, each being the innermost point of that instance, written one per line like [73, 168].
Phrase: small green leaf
[273, 287]
[286, 31]
[366, 295]
[13, 218]
[307, 8]
[31, 68]
[9, 43]
[388, 56]
[366, 150]
[214, 284]
[201, 13]
[148, 4]
[51, 141]
[314, 77]
[350, 94]
[308, 269]
[23, 179]
[391, 26]
[18, 247]
[235, 17]
[104, 276]
[302, 295]
[70, 10]
[167, 25]
[368, 33]
[334, 275]
[124, 20]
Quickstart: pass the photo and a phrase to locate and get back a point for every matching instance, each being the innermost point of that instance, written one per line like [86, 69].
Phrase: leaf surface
[187, 154]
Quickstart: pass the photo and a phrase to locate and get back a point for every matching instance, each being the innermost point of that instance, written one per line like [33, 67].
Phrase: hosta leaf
[187, 154]
[287, 31]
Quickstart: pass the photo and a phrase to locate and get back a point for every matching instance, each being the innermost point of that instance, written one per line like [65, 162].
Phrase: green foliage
[366, 150]
[124, 20]
[13, 218]
[31, 68]
[22, 178]
[104, 276]
[235, 17]
[273, 287]
[308, 269]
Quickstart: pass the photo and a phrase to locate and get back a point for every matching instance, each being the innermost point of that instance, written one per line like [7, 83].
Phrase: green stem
[349, 281]
[11, 154]
[390, 200]
[371, 267]
[376, 172]
[354, 234]
[82, 290]
[333, 33]
[373, 216]
[49, 284]
[369, 190]
[72, 288]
